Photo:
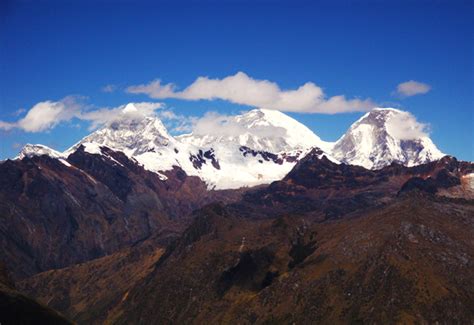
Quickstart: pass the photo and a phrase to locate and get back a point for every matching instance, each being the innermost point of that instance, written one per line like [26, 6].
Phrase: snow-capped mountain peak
[383, 136]
[256, 147]
[31, 150]
[259, 129]
[130, 132]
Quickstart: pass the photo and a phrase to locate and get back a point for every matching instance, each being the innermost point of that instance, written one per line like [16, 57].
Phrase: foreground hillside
[58, 212]
[17, 308]
[329, 243]
[408, 262]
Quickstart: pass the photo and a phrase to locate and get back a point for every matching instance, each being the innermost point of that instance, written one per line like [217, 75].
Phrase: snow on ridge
[259, 129]
[383, 136]
[267, 149]
[256, 147]
[31, 150]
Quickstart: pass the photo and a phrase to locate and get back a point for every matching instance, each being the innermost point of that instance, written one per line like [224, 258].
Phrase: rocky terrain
[410, 261]
[128, 227]
[89, 292]
[58, 212]
[17, 308]
[362, 246]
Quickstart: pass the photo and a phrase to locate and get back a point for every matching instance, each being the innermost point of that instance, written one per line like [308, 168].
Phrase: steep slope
[131, 133]
[319, 189]
[32, 150]
[409, 261]
[17, 308]
[88, 292]
[257, 147]
[253, 148]
[259, 129]
[318, 234]
[55, 213]
[383, 136]
[268, 146]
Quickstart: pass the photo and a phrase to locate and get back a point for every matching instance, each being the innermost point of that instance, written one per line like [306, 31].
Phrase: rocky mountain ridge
[254, 148]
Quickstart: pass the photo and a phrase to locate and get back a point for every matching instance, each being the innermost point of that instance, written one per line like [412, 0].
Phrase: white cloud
[242, 89]
[412, 88]
[46, 115]
[215, 124]
[131, 111]
[154, 89]
[177, 123]
[404, 126]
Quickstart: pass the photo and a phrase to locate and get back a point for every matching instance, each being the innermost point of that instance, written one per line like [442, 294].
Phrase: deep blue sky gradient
[52, 49]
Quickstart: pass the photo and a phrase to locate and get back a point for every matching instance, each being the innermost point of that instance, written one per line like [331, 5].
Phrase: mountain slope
[403, 257]
[70, 289]
[317, 234]
[259, 129]
[268, 146]
[57, 212]
[406, 262]
[383, 136]
[254, 148]
[17, 308]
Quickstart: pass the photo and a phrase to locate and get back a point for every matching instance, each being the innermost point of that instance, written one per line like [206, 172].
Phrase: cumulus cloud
[412, 88]
[404, 126]
[48, 114]
[244, 90]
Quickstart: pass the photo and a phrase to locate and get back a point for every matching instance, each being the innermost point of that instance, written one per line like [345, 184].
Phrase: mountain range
[272, 225]
[254, 148]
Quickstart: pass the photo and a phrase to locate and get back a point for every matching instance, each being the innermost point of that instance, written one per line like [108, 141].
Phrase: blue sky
[50, 50]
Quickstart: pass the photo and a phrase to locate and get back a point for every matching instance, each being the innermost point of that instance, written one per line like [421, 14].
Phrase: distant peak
[386, 135]
[31, 150]
[380, 113]
[131, 132]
